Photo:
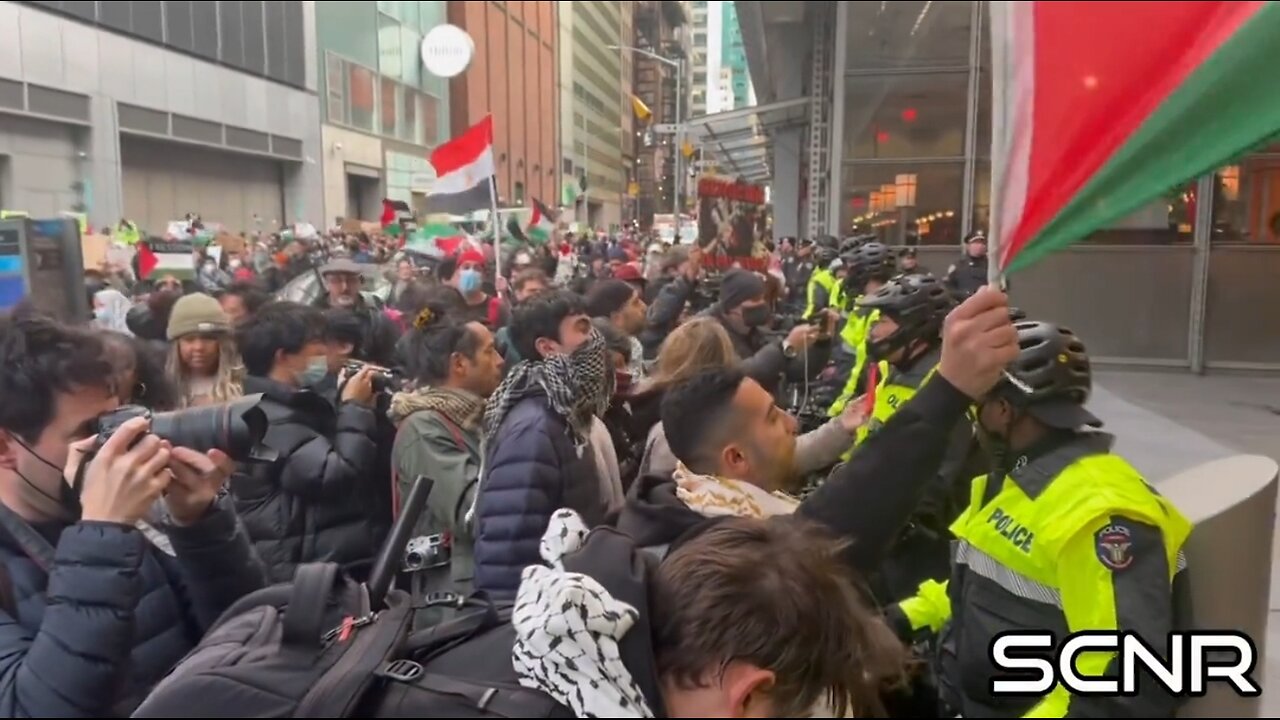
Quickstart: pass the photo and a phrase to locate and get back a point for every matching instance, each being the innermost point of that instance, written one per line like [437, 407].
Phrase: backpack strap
[8, 599]
[32, 543]
[444, 636]
[449, 425]
[304, 617]
[339, 692]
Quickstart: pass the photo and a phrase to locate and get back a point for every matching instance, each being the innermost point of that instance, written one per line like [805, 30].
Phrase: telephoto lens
[236, 428]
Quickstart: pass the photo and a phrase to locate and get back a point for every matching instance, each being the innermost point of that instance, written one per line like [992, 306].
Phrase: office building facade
[514, 76]
[596, 105]
[153, 110]
[897, 142]
[662, 27]
[382, 110]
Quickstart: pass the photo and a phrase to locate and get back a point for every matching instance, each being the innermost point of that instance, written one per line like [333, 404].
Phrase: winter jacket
[314, 502]
[764, 360]
[663, 314]
[532, 469]
[868, 499]
[428, 444]
[115, 613]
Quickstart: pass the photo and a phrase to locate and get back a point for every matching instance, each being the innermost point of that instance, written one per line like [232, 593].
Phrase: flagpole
[493, 222]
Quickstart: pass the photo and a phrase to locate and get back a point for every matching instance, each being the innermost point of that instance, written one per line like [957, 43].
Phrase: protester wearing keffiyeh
[578, 387]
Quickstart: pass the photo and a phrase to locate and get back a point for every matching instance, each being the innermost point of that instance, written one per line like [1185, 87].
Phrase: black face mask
[756, 316]
[68, 493]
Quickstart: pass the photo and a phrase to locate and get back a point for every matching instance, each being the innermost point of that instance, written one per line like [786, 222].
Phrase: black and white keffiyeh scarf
[568, 629]
[578, 387]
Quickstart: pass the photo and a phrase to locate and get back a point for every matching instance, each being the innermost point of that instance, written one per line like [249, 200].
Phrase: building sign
[447, 51]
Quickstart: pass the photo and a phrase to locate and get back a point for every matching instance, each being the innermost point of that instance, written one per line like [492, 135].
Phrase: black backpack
[326, 647]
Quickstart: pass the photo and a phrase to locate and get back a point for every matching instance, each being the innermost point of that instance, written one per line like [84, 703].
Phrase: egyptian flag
[1101, 107]
[464, 171]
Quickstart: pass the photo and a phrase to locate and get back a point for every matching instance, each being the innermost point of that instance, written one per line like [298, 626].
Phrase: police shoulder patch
[1114, 546]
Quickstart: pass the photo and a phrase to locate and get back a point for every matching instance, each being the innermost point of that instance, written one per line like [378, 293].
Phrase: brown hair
[696, 345]
[778, 594]
[528, 275]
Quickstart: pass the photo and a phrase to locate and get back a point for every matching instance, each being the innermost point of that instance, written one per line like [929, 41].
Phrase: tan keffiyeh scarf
[716, 497]
[461, 407]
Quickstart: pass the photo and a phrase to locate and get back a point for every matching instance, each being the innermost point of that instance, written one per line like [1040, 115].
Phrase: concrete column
[304, 182]
[788, 147]
[104, 187]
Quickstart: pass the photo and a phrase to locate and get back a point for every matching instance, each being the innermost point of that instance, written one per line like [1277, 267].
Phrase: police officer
[908, 263]
[869, 267]
[822, 284]
[970, 272]
[1062, 536]
[906, 336]
[797, 269]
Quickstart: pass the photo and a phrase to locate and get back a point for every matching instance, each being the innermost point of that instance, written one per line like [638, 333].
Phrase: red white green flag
[541, 225]
[1100, 107]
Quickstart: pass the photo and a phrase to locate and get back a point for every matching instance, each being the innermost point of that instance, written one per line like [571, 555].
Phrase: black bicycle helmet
[918, 303]
[1051, 377]
[870, 261]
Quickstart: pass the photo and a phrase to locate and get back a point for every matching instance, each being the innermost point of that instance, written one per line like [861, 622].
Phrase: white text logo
[1032, 663]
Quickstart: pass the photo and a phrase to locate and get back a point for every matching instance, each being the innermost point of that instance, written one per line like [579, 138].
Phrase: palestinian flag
[394, 214]
[438, 241]
[464, 171]
[157, 258]
[541, 225]
[1101, 107]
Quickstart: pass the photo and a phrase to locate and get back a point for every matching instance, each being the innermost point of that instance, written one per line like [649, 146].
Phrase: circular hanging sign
[447, 50]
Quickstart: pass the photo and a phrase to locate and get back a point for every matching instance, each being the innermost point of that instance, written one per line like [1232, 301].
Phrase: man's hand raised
[978, 343]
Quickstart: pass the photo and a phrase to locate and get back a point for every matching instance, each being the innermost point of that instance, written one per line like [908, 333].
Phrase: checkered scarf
[577, 386]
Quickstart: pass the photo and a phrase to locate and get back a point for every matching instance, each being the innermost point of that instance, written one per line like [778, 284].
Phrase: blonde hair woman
[703, 343]
[203, 362]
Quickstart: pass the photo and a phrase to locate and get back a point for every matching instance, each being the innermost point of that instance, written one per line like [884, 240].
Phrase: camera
[427, 552]
[384, 380]
[706, 292]
[236, 428]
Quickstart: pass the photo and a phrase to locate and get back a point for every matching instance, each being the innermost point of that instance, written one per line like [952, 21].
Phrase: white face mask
[234, 263]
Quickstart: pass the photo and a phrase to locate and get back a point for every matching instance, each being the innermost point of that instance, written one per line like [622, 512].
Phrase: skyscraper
[733, 56]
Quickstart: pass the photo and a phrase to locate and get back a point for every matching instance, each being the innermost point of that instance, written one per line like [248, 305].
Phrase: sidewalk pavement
[1166, 422]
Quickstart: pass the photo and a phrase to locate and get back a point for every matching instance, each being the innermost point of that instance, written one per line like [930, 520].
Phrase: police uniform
[1070, 539]
[823, 286]
[967, 276]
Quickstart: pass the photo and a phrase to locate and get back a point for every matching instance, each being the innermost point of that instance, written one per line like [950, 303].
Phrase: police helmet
[1051, 377]
[870, 261]
[918, 303]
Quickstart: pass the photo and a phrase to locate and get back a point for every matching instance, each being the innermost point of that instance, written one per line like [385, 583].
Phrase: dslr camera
[236, 428]
[384, 380]
[427, 552]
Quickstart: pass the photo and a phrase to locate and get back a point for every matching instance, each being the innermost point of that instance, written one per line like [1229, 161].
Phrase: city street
[1168, 421]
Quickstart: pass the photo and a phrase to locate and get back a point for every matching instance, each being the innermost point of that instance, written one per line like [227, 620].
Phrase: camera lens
[236, 428]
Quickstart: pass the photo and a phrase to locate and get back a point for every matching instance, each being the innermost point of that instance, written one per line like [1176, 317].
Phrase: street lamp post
[679, 121]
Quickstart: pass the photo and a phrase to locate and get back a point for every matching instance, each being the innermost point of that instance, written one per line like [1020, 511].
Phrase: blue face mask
[317, 368]
[469, 281]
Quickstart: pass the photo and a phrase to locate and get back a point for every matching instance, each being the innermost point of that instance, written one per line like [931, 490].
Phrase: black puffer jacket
[313, 503]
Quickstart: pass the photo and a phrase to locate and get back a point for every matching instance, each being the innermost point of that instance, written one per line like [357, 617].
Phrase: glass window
[409, 118]
[231, 30]
[912, 34]
[901, 116]
[295, 48]
[79, 8]
[204, 29]
[148, 20]
[982, 139]
[1246, 202]
[389, 58]
[275, 40]
[903, 203]
[360, 92]
[335, 76]
[116, 15]
[177, 24]
[390, 115]
[410, 56]
[255, 54]
[348, 29]
[430, 121]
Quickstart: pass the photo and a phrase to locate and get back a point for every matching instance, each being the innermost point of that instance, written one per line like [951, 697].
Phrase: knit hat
[470, 254]
[608, 297]
[739, 286]
[197, 313]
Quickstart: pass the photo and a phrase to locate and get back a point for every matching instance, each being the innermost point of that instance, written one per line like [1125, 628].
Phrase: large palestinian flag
[1100, 107]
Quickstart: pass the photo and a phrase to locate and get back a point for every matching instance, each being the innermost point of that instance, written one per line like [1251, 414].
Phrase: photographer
[314, 502]
[92, 614]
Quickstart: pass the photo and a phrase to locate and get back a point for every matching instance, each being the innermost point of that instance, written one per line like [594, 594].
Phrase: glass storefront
[373, 78]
